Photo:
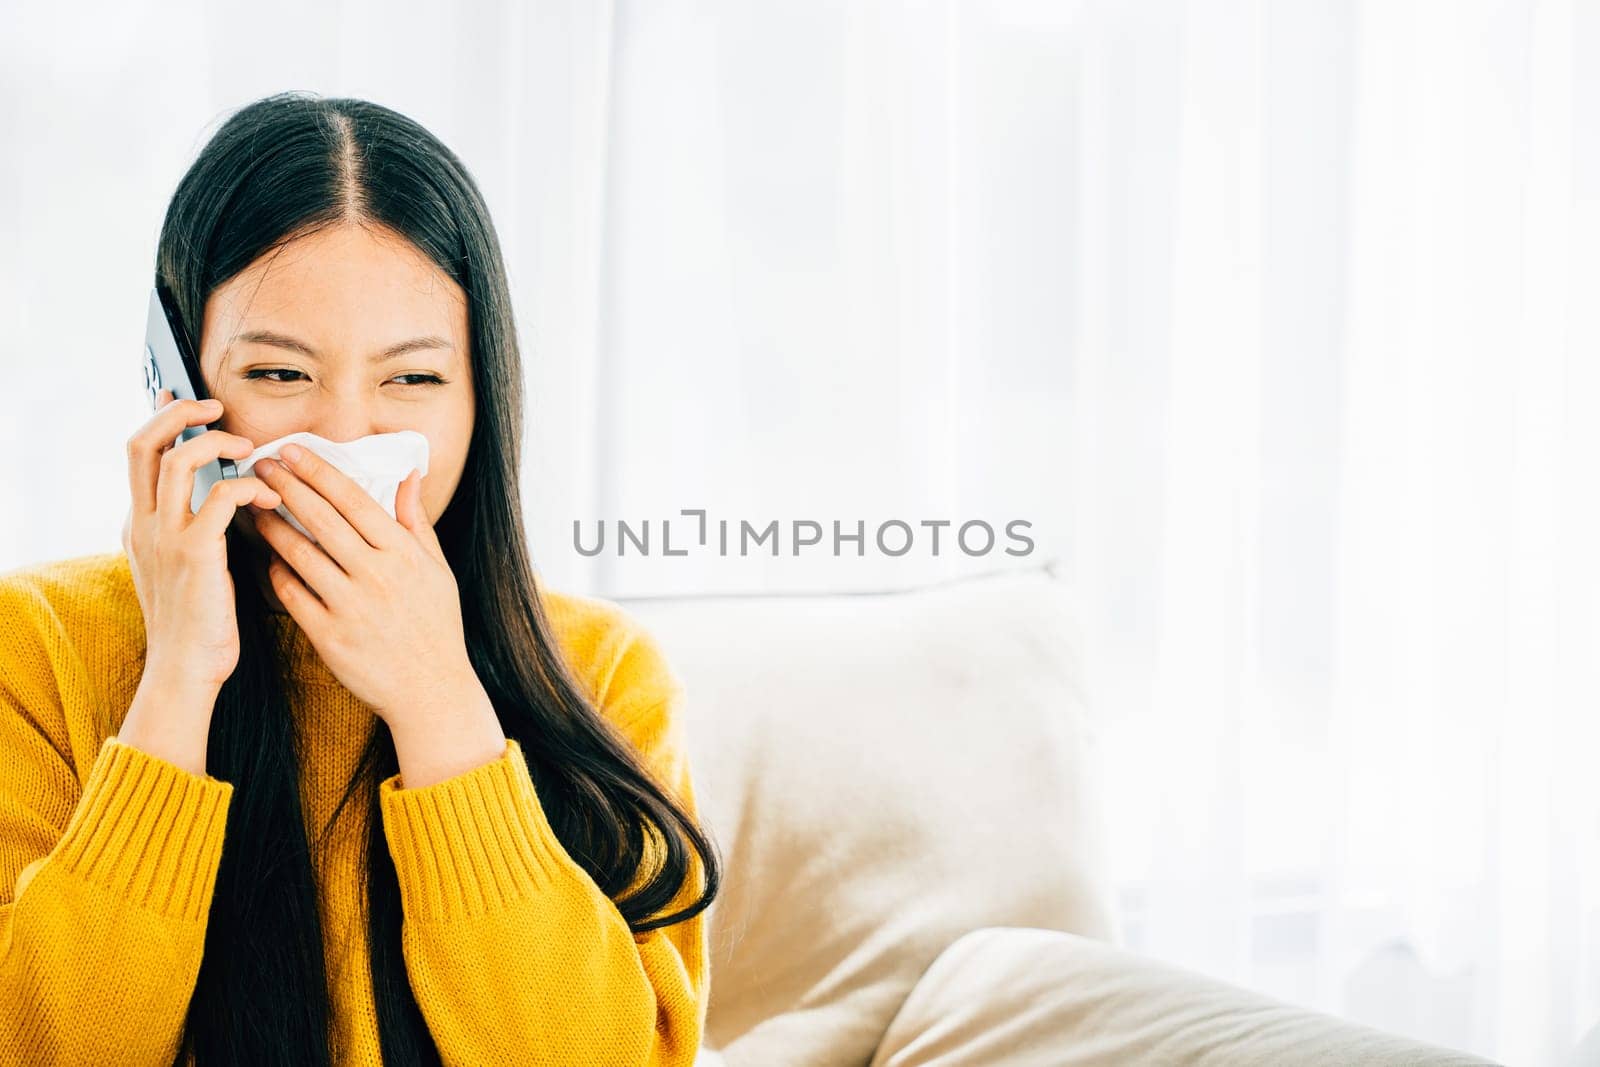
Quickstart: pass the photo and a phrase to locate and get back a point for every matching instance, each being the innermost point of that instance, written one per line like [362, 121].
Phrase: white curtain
[1275, 321]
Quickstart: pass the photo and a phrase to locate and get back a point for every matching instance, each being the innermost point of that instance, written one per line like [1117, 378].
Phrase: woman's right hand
[179, 558]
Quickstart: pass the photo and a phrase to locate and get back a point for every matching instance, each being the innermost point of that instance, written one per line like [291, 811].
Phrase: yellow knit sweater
[108, 858]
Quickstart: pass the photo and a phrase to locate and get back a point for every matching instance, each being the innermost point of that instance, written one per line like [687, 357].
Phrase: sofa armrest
[1023, 996]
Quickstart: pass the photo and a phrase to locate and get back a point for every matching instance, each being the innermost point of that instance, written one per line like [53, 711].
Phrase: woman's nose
[345, 427]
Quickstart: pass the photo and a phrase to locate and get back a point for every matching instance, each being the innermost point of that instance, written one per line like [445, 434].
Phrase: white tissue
[378, 463]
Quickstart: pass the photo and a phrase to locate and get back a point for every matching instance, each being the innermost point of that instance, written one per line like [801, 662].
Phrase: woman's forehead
[343, 292]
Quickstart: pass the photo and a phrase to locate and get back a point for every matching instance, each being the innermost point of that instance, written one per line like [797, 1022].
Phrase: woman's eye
[261, 373]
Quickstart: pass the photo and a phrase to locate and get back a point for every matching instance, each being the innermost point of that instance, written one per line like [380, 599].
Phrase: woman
[375, 798]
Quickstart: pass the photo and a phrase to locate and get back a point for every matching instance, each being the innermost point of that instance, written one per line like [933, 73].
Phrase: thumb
[408, 505]
[414, 517]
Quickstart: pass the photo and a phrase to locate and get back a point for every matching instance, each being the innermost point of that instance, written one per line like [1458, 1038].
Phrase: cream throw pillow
[883, 773]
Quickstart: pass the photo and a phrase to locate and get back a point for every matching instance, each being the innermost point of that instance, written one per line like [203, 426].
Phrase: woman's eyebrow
[278, 340]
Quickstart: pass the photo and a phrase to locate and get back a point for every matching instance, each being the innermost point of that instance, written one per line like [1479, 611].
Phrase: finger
[407, 504]
[161, 430]
[335, 492]
[333, 532]
[298, 598]
[225, 500]
[152, 440]
[177, 466]
[413, 516]
[315, 568]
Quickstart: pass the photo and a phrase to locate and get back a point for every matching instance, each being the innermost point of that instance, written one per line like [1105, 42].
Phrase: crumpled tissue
[378, 463]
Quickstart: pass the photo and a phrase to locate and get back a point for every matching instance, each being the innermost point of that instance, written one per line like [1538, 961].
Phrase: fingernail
[290, 453]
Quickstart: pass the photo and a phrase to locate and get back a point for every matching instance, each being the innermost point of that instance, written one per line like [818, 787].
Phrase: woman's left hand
[375, 596]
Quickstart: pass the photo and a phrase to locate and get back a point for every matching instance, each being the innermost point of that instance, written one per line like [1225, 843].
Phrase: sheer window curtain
[1274, 320]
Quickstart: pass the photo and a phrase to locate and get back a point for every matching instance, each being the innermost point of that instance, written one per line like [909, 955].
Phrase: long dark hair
[280, 168]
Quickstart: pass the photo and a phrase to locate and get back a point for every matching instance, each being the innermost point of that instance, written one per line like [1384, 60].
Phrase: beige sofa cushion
[1040, 997]
[883, 773]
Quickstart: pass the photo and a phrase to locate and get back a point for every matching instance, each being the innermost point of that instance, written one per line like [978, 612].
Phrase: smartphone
[170, 363]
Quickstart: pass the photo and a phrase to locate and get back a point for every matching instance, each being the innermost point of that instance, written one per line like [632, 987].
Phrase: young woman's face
[294, 342]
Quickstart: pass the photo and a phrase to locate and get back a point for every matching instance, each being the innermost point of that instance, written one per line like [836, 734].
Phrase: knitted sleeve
[514, 953]
[105, 879]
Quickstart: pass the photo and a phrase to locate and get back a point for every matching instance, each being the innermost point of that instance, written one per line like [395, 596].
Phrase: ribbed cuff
[473, 843]
[148, 831]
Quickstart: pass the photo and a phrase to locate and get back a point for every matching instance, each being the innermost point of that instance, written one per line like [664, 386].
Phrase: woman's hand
[377, 599]
[179, 563]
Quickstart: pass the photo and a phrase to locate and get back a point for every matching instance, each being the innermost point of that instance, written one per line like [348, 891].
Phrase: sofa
[903, 789]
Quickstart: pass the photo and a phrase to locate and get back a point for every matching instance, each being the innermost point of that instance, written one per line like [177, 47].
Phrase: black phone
[171, 362]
